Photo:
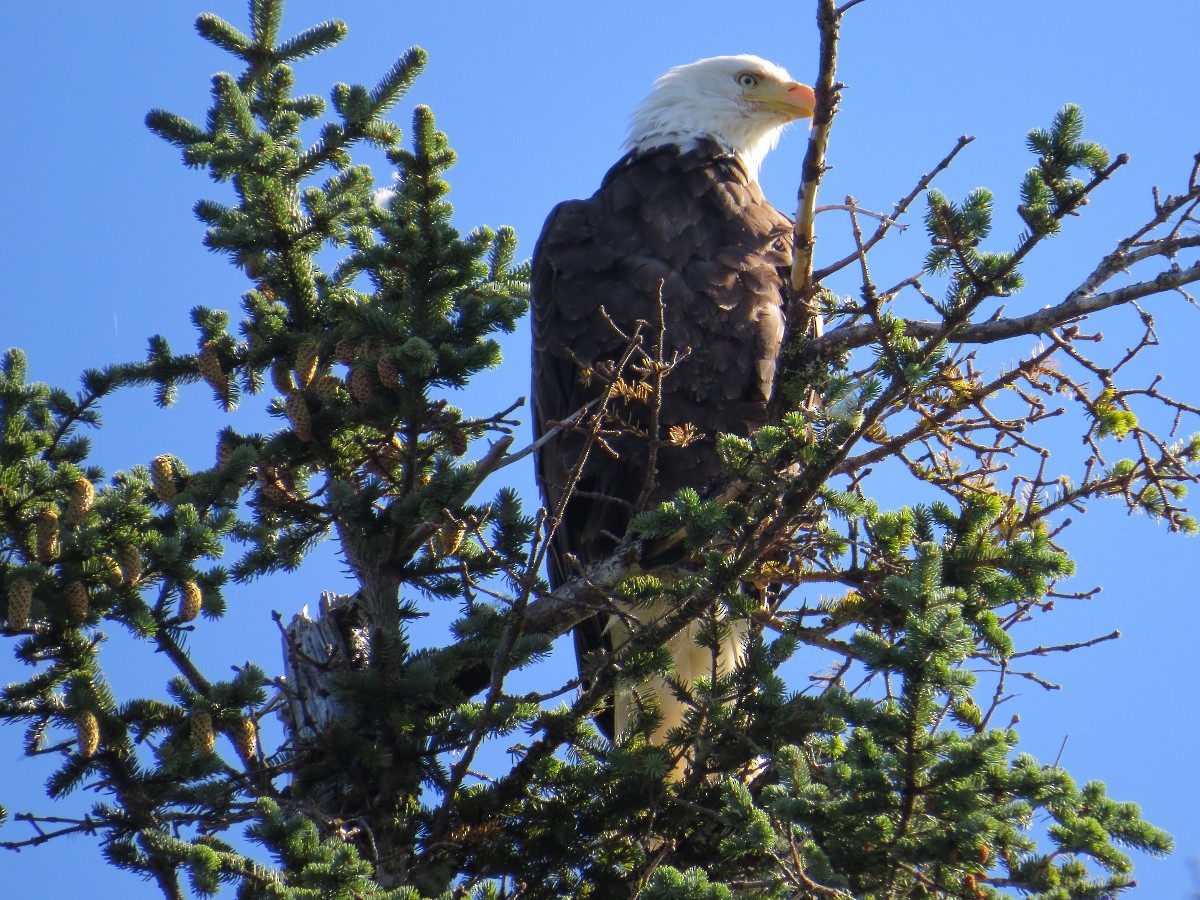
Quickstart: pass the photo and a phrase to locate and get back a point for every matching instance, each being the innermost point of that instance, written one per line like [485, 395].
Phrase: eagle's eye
[747, 80]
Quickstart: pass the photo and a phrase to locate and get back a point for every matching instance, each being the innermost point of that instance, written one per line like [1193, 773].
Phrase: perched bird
[680, 238]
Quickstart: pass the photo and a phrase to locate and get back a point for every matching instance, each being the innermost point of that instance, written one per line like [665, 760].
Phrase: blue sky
[100, 250]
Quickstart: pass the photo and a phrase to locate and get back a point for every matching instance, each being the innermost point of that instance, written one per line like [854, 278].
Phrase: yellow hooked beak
[790, 99]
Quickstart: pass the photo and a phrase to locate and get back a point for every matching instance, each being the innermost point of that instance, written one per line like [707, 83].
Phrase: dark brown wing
[695, 228]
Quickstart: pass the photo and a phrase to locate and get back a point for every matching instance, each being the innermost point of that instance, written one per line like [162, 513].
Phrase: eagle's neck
[689, 124]
[750, 157]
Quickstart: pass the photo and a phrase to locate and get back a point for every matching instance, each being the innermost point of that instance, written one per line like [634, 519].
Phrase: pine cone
[130, 561]
[346, 352]
[388, 373]
[385, 458]
[203, 737]
[244, 735]
[298, 415]
[87, 732]
[276, 487]
[358, 382]
[78, 604]
[112, 572]
[391, 455]
[20, 601]
[190, 601]
[269, 489]
[80, 503]
[306, 361]
[225, 448]
[47, 536]
[450, 538]
[456, 440]
[162, 478]
[209, 364]
[327, 386]
[255, 347]
[281, 377]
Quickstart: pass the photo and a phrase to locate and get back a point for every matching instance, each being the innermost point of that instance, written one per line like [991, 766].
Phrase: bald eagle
[680, 238]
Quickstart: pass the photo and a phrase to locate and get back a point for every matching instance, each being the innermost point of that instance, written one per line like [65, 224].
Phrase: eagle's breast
[693, 229]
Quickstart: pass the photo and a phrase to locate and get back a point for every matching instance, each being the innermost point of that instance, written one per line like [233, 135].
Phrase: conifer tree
[365, 312]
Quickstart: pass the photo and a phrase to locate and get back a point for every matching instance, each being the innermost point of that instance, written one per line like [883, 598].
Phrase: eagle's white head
[742, 102]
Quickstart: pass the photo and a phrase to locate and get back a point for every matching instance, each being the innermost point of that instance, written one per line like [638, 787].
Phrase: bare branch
[1067, 648]
[854, 208]
[803, 235]
[897, 211]
[1043, 321]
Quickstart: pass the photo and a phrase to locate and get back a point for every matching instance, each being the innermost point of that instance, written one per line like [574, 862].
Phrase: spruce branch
[309, 42]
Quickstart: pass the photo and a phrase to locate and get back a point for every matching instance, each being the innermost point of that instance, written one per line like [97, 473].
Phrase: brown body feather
[693, 228]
